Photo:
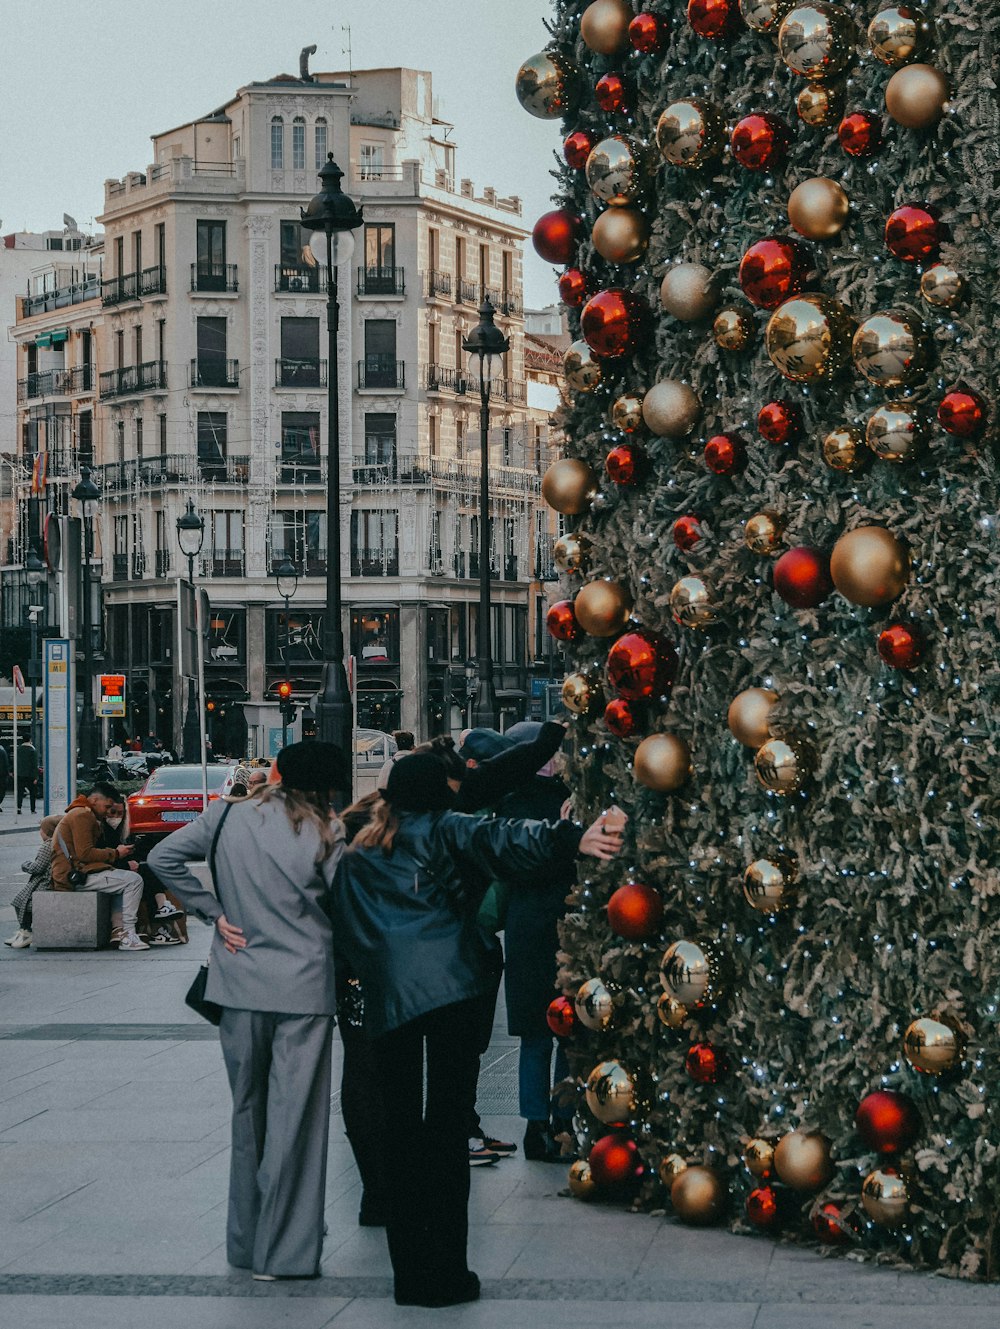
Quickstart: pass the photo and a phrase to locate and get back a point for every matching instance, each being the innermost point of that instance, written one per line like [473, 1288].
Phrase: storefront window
[375, 636]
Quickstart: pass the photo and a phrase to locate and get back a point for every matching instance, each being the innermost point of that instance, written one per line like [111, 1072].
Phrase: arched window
[277, 143]
[320, 143]
[298, 144]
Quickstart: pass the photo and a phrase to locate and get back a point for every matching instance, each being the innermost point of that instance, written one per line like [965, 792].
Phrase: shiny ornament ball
[843, 449]
[693, 603]
[759, 141]
[567, 486]
[962, 412]
[733, 328]
[900, 646]
[942, 286]
[561, 1017]
[860, 134]
[764, 15]
[687, 531]
[896, 34]
[610, 1093]
[698, 1196]
[817, 105]
[689, 291]
[581, 1180]
[626, 413]
[802, 577]
[802, 1161]
[615, 170]
[830, 1226]
[648, 33]
[749, 716]
[561, 623]
[809, 338]
[870, 566]
[621, 235]
[615, 1162]
[816, 41]
[762, 1208]
[714, 19]
[641, 664]
[547, 85]
[818, 208]
[914, 233]
[884, 1197]
[887, 1121]
[889, 348]
[671, 409]
[581, 369]
[604, 26]
[612, 93]
[671, 1012]
[577, 147]
[725, 454]
[602, 608]
[779, 422]
[691, 974]
[705, 1064]
[759, 1157]
[574, 288]
[624, 464]
[690, 133]
[555, 235]
[578, 693]
[774, 269]
[769, 884]
[635, 911]
[933, 1044]
[571, 553]
[916, 96]
[620, 717]
[670, 1168]
[895, 432]
[612, 322]
[593, 1005]
[662, 762]
[783, 765]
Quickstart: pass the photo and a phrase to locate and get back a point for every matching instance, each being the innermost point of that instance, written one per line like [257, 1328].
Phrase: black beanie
[313, 766]
[418, 782]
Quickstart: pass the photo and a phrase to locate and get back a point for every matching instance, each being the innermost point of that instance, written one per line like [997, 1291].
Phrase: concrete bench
[70, 920]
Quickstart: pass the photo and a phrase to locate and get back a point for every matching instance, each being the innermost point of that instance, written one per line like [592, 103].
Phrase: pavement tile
[42, 1312]
[365, 1313]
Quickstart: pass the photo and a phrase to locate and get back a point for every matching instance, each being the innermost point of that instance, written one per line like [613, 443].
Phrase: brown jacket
[79, 828]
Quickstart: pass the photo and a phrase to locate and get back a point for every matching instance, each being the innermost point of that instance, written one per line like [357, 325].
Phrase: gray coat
[270, 886]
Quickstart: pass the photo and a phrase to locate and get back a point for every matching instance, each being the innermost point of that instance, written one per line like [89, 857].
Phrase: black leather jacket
[406, 921]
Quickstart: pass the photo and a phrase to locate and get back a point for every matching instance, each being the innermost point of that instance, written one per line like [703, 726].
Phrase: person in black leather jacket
[404, 913]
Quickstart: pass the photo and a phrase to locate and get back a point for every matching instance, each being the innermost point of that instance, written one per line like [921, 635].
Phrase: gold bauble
[934, 1044]
[802, 1161]
[769, 883]
[581, 368]
[764, 15]
[610, 1092]
[567, 486]
[916, 96]
[615, 170]
[571, 554]
[546, 85]
[690, 133]
[698, 1195]
[670, 1011]
[691, 974]
[783, 765]
[604, 26]
[889, 348]
[816, 41]
[733, 328]
[759, 1157]
[689, 291]
[895, 432]
[942, 286]
[602, 608]
[578, 693]
[662, 762]
[748, 716]
[671, 1167]
[581, 1181]
[626, 413]
[762, 533]
[843, 449]
[885, 1197]
[809, 337]
[870, 566]
[818, 208]
[896, 34]
[693, 603]
[593, 1005]
[818, 105]
[621, 235]
[671, 409]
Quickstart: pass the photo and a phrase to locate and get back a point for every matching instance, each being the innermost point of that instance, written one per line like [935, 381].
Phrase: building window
[212, 445]
[298, 144]
[138, 437]
[299, 445]
[85, 437]
[225, 534]
[211, 343]
[432, 434]
[380, 442]
[236, 147]
[120, 255]
[277, 143]
[211, 255]
[380, 247]
[506, 446]
[320, 143]
[375, 636]
[301, 537]
[380, 353]
[372, 161]
[120, 440]
[300, 365]
[374, 543]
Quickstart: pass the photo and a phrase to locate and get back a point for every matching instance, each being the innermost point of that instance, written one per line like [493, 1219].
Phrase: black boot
[539, 1146]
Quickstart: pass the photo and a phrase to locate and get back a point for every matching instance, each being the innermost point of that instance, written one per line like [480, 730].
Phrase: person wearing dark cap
[274, 858]
[405, 906]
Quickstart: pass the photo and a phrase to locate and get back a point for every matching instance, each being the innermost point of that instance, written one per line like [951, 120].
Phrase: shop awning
[53, 338]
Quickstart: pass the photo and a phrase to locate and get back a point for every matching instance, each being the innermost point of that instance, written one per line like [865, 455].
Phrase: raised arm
[508, 849]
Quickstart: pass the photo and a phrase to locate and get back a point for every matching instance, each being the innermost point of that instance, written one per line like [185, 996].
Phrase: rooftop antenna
[346, 28]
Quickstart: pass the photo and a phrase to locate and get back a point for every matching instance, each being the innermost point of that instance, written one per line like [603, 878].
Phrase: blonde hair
[302, 807]
[382, 826]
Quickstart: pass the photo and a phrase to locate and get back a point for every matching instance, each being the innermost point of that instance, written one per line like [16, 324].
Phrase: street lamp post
[485, 346]
[88, 496]
[34, 573]
[191, 537]
[287, 581]
[332, 218]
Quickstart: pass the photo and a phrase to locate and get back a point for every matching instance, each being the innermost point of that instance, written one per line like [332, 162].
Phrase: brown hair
[302, 806]
[381, 828]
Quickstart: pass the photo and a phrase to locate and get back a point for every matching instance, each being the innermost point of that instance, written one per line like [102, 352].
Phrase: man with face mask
[78, 850]
[159, 910]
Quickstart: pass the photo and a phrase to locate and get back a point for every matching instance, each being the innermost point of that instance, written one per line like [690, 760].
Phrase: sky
[82, 88]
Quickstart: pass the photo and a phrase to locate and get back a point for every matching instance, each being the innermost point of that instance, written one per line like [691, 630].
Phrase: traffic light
[286, 705]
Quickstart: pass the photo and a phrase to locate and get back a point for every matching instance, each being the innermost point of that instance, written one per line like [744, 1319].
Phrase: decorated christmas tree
[777, 227]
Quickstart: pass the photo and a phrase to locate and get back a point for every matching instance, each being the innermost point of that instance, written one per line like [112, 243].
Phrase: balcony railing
[442, 378]
[312, 564]
[62, 297]
[301, 471]
[215, 373]
[301, 278]
[56, 383]
[214, 277]
[139, 564]
[510, 389]
[374, 562]
[119, 567]
[153, 281]
[510, 305]
[438, 283]
[223, 563]
[162, 562]
[381, 281]
[148, 377]
[300, 373]
[381, 371]
[466, 292]
[116, 290]
[158, 472]
[445, 474]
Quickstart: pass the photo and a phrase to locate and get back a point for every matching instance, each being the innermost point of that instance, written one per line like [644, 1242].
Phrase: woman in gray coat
[271, 970]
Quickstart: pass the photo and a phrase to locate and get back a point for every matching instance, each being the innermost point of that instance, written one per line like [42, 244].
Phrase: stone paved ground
[113, 1163]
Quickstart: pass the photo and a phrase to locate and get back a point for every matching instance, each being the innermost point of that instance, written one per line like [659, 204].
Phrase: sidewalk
[113, 1165]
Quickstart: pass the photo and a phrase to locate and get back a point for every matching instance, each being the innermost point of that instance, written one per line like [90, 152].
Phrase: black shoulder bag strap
[195, 997]
[214, 845]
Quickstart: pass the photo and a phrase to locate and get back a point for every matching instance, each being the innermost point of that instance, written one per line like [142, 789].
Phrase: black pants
[428, 1215]
[29, 787]
[364, 1122]
[486, 1007]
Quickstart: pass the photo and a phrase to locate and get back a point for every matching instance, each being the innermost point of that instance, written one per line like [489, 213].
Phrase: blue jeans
[534, 1075]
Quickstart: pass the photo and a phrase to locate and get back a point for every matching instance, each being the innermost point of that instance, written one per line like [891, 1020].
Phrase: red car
[169, 798]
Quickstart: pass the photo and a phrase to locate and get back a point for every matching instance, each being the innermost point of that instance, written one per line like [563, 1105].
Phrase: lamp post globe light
[485, 346]
[88, 496]
[287, 580]
[191, 537]
[34, 575]
[332, 218]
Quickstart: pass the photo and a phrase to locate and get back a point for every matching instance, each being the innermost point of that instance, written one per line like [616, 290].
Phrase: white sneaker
[164, 937]
[132, 942]
[167, 910]
[20, 939]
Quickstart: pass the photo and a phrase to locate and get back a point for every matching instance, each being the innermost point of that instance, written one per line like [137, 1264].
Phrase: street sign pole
[201, 618]
[59, 704]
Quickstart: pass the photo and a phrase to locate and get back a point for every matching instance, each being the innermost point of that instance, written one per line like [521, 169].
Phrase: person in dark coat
[27, 772]
[4, 772]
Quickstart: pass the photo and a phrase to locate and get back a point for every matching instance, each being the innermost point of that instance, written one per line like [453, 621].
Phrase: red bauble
[759, 141]
[914, 234]
[624, 464]
[802, 577]
[561, 1017]
[962, 412]
[635, 911]
[779, 422]
[561, 621]
[762, 1207]
[620, 717]
[704, 1064]
[714, 19]
[828, 1224]
[774, 269]
[578, 147]
[612, 322]
[900, 646]
[887, 1121]
[687, 532]
[615, 1161]
[648, 33]
[573, 288]
[860, 134]
[725, 454]
[555, 235]
[641, 664]
[612, 93]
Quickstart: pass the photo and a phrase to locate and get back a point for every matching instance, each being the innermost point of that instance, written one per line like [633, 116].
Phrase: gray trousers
[279, 1074]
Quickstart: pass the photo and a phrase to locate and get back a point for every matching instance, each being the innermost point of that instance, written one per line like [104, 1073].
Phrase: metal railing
[381, 281]
[56, 383]
[510, 304]
[148, 377]
[214, 277]
[443, 378]
[300, 471]
[381, 371]
[300, 278]
[119, 567]
[300, 373]
[510, 389]
[116, 290]
[374, 562]
[215, 373]
[438, 283]
[312, 564]
[162, 562]
[62, 297]
[157, 472]
[153, 281]
[443, 473]
[223, 563]
[466, 292]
